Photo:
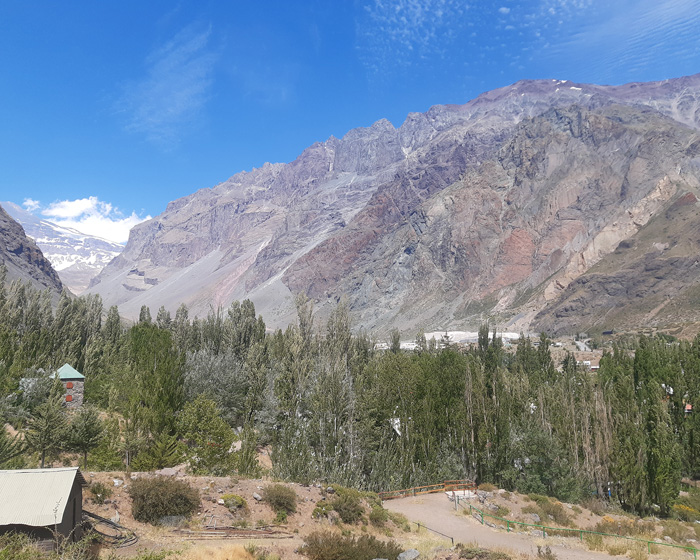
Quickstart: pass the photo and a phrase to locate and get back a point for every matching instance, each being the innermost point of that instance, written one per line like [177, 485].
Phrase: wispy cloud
[90, 216]
[176, 86]
[30, 204]
[623, 38]
[397, 33]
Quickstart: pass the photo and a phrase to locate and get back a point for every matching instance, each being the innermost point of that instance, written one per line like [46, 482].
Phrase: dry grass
[226, 552]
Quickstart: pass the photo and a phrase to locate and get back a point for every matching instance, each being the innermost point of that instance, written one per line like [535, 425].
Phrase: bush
[677, 531]
[595, 505]
[332, 546]
[546, 553]
[617, 549]
[487, 487]
[18, 547]
[235, 503]
[476, 553]
[100, 492]
[154, 498]
[593, 541]
[281, 498]
[378, 516]
[349, 508]
[548, 509]
[323, 509]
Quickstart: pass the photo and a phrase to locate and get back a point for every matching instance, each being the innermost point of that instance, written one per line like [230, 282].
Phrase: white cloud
[503, 10]
[30, 204]
[625, 37]
[397, 33]
[92, 216]
[170, 97]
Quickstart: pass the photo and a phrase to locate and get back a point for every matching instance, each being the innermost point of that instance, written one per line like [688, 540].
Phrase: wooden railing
[446, 486]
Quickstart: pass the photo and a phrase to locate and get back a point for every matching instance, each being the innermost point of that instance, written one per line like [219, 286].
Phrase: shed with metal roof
[43, 503]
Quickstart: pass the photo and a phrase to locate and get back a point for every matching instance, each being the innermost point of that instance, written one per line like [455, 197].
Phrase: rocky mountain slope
[23, 259]
[77, 257]
[494, 209]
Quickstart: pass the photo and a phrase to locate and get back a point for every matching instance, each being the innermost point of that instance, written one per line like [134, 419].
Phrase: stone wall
[73, 395]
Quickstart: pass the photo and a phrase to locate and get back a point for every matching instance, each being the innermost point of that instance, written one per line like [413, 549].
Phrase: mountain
[497, 209]
[77, 257]
[23, 259]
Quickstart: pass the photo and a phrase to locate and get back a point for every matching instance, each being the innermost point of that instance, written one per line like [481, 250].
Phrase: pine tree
[86, 431]
[46, 430]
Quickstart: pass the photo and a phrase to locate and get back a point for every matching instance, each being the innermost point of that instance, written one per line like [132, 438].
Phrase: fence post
[544, 533]
[482, 517]
[507, 526]
[581, 535]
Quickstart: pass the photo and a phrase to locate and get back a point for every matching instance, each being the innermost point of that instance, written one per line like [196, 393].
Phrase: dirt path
[435, 511]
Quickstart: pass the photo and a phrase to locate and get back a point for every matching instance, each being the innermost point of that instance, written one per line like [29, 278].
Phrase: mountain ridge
[378, 215]
[23, 259]
[76, 257]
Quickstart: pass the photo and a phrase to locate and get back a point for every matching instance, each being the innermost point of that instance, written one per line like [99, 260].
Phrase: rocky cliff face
[23, 259]
[494, 209]
[76, 257]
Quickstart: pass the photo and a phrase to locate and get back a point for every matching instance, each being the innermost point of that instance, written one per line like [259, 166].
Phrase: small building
[45, 504]
[73, 385]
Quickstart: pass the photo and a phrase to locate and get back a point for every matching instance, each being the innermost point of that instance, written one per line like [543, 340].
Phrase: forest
[331, 407]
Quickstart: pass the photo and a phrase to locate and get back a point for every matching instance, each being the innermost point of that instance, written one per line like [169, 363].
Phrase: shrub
[595, 505]
[349, 508]
[476, 553]
[322, 510]
[617, 549]
[593, 541]
[548, 509]
[16, 546]
[332, 546]
[154, 498]
[638, 552]
[625, 527]
[100, 492]
[378, 516]
[487, 487]
[546, 553]
[677, 531]
[399, 520]
[235, 503]
[280, 498]
[686, 512]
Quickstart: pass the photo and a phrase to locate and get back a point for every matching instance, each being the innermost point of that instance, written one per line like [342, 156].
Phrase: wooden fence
[446, 486]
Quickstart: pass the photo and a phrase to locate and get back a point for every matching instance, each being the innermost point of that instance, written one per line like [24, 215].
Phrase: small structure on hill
[73, 385]
[46, 504]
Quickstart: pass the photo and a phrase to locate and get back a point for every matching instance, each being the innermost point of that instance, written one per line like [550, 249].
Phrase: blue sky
[109, 110]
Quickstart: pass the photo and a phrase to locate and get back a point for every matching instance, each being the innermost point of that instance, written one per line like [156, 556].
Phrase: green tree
[208, 437]
[46, 430]
[86, 431]
[152, 384]
[10, 447]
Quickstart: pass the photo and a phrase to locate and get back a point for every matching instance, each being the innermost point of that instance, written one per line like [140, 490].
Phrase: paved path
[436, 511]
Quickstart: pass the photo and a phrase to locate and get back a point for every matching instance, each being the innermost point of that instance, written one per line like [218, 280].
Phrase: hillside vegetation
[329, 407]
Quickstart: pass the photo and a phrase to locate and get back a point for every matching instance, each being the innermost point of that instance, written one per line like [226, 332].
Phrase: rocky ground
[434, 512]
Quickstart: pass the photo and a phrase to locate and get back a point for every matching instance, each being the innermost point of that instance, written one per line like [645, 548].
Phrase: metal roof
[36, 497]
[68, 372]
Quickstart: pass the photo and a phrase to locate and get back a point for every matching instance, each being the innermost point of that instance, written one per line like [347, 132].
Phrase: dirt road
[435, 511]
